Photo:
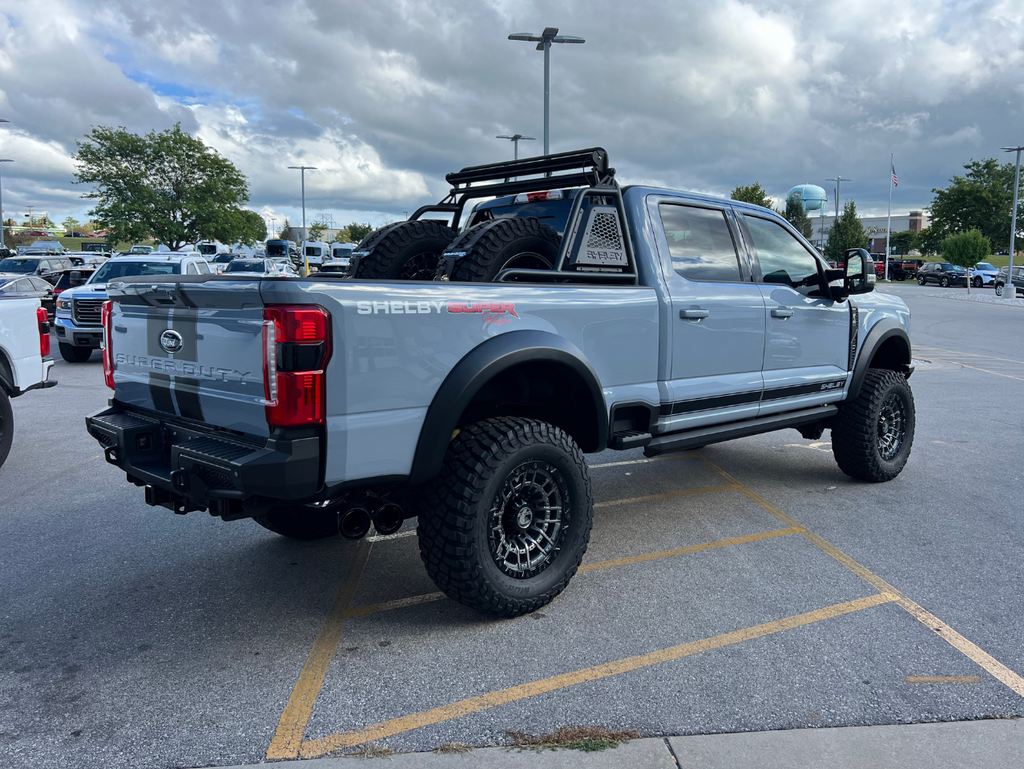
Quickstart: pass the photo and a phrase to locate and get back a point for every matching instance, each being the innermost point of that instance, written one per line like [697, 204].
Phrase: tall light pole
[839, 182]
[2, 160]
[515, 139]
[305, 256]
[273, 225]
[1010, 291]
[544, 40]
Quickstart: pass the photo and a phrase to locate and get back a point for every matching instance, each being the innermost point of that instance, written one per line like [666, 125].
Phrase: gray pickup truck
[460, 376]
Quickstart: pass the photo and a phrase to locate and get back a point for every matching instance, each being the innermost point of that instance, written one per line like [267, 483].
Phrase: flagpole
[888, 219]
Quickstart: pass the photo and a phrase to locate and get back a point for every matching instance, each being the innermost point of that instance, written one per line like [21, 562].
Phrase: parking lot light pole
[544, 40]
[515, 139]
[305, 256]
[2, 160]
[1011, 291]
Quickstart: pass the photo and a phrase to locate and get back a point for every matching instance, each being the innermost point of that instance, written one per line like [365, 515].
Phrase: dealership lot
[747, 586]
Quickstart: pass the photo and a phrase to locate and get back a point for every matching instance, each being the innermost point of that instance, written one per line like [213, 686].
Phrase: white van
[210, 249]
[342, 250]
[315, 251]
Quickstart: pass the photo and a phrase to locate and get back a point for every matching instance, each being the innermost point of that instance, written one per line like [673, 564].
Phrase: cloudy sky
[386, 96]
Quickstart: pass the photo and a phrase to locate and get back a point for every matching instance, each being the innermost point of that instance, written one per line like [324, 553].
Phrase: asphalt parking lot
[747, 586]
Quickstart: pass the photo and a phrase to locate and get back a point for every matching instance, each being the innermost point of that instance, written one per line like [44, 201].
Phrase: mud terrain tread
[386, 246]
[446, 516]
[478, 265]
[854, 430]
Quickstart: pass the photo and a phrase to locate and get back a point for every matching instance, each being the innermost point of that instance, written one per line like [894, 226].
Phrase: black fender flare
[880, 333]
[478, 367]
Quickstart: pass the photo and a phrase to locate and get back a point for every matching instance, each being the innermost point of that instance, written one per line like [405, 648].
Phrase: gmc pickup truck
[460, 377]
[24, 347]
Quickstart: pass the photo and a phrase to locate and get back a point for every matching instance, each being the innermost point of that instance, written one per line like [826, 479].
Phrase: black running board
[694, 439]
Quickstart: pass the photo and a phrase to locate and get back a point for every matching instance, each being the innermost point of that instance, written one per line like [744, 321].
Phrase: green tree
[167, 185]
[845, 233]
[71, 224]
[979, 200]
[929, 241]
[286, 231]
[795, 215]
[316, 231]
[904, 241]
[966, 249]
[252, 228]
[752, 193]
[358, 231]
[343, 236]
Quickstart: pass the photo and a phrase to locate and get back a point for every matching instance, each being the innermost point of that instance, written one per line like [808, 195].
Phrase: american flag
[895, 181]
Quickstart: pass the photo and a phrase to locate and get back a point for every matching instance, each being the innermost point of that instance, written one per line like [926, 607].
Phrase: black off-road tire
[506, 243]
[403, 251]
[857, 429]
[300, 522]
[6, 426]
[73, 354]
[456, 509]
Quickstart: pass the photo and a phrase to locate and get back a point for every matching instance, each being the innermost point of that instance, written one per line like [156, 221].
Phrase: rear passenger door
[807, 336]
[716, 322]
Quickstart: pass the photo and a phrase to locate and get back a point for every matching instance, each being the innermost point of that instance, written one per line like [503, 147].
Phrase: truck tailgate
[191, 350]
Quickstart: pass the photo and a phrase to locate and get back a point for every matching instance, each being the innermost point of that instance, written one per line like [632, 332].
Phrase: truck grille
[86, 311]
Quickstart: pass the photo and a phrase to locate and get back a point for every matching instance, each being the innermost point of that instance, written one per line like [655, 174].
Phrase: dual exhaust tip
[386, 517]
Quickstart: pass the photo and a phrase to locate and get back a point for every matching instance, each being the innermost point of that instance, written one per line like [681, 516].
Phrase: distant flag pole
[893, 182]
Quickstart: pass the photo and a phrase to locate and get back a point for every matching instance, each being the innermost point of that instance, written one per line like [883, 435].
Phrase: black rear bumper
[185, 467]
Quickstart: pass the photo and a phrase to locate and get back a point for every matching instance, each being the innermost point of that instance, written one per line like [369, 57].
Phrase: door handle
[781, 312]
[693, 314]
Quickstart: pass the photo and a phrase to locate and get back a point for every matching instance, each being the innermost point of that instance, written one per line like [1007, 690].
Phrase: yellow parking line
[1008, 376]
[401, 603]
[997, 669]
[292, 726]
[465, 707]
[646, 460]
[669, 495]
[942, 679]
[971, 354]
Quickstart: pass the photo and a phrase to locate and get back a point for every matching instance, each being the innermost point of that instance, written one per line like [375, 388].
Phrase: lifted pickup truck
[24, 347]
[569, 316]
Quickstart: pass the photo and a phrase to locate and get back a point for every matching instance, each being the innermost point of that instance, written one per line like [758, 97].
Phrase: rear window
[19, 265]
[239, 266]
[122, 268]
[277, 249]
[314, 251]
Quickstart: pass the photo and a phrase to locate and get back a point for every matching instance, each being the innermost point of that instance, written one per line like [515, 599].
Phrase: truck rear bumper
[186, 467]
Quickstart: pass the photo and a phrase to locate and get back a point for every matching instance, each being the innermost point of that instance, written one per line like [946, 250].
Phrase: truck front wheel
[73, 354]
[504, 526]
[873, 433]
[6, 426]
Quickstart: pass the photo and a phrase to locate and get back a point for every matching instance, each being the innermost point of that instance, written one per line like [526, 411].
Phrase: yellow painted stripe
[942, 679]
[994, 667]
[646, 460]
[669, 495]
[685, 550]
[972, 354]
[401, 603]
[287, 739]
[1008, 376]
[465, 707]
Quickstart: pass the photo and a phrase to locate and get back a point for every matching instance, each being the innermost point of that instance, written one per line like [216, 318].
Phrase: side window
[191, 269]
[202, 267]
[40, 285]
[699, 243]
[781, 256]
[42, 266]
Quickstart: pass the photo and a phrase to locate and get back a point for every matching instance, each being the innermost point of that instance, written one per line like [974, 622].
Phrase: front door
[807, 337]
[716, 323]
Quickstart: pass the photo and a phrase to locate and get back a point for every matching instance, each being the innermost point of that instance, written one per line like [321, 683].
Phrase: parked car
[983, 274]
[29, 287]
[96, 247]
[1018, 280]
[335, 266]
[87, 258]
[46, 247]
[138, 251]
[905, 269]
[265, 268]
[71, 278]
[319, 406]
[47, 267]
[211, 248]
[943, 273]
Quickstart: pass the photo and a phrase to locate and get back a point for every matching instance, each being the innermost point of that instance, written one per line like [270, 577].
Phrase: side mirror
[859, 275]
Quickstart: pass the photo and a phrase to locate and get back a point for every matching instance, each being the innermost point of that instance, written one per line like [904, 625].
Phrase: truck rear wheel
[504, 244]
[6, 426]
[403, 251]
[73, 354]
[300, 522]
[872, 435]
[504, 526]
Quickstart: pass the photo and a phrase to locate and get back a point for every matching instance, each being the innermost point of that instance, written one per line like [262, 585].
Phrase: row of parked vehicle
[943, 274]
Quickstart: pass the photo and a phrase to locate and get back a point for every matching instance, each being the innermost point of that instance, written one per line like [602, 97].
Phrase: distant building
[874, 226]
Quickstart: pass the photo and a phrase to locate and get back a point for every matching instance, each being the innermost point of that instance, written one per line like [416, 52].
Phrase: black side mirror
[859, 275]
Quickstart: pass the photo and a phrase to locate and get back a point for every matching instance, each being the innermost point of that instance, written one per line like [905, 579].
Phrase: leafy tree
[966, 249]
[168, 186]
[845, 233]
[286, 231]
[980, 200]
[929, 241]
[752, 193]
[358, 231]
[252, 228]
[795, 215]
[316, 231]
[342, 236]
[71, 224]
[904, 241]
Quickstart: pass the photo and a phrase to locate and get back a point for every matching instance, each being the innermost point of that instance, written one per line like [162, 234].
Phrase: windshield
[223, 258]
[120, 268]
[206, 249]
[313, 251]
[277, 249]
[239, 266]
[955, 268]
[18, 265]
[985, 266]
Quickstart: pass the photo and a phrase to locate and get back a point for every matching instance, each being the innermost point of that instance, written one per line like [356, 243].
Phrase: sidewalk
[991, 744]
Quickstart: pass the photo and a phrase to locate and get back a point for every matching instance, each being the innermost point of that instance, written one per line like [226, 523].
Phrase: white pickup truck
[24, 347]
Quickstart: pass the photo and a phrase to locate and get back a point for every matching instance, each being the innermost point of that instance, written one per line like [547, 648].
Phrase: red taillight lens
[296, 347]
[44, 331]
[106, 313]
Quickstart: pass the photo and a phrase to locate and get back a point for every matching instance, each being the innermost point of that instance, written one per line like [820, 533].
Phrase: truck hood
[89, 291]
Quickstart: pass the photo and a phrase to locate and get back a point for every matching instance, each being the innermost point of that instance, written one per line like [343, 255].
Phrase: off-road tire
[300, 522]
[856, 428]
[507, 243]
[456, 508]
[6, 426]
[403, 251]
[73, 354]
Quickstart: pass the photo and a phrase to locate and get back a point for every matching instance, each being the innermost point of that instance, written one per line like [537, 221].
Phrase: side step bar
[694, 439]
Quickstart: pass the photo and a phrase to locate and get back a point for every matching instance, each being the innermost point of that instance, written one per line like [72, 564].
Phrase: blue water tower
[811, 196]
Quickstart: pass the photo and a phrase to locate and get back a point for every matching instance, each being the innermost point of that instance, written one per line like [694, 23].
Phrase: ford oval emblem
[171, 341]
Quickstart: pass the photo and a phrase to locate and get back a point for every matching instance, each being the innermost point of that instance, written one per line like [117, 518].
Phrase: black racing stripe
[714, 402]
[186, 393]
[184, 322]
[160, 392]
[794, 390]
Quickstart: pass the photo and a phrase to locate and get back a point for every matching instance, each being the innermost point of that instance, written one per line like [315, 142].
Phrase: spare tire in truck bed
[403, 251]
[485, 250]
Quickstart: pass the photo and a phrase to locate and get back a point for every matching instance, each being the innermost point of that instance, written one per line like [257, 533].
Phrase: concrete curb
[991, 744]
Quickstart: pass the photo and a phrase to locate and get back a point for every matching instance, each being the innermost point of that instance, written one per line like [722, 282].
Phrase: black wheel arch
[509, 360]
[887, 345]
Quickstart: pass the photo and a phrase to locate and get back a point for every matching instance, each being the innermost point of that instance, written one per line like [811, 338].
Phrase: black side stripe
[721, 401]
[794, 390]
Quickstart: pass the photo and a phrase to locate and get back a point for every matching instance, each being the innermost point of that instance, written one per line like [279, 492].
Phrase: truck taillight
[296, 348]
[44, 331]
[106, 312]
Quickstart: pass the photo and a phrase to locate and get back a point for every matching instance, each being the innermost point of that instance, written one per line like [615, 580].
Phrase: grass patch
[588, 739]
[372, 750]
[453, 747]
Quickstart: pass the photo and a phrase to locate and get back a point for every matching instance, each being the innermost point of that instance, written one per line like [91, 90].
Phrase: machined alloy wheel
[529, 515]
[892, 426]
